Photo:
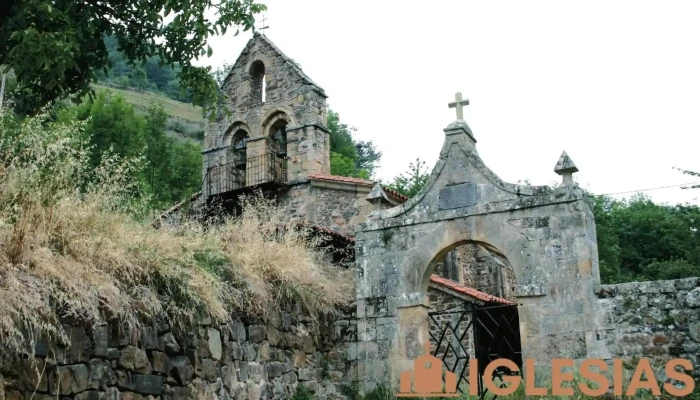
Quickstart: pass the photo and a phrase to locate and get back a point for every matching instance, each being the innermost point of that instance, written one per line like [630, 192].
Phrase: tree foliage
[411, 182]
[56, 48]
[169, 171]
[640, 240]
[690, 173]
[349, 157]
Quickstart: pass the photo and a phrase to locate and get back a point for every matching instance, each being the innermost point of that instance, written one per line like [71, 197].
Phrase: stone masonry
[546, 234]
[534, 245]
[246, 359]
[655, 320]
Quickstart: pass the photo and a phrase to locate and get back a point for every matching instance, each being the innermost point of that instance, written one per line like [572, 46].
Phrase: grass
[143, 100]
[76, 246]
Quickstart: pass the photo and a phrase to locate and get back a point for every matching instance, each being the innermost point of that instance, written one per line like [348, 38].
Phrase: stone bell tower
[276, 131]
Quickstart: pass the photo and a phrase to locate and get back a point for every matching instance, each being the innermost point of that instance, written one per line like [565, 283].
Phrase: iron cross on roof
[459, 104]
[263, 25]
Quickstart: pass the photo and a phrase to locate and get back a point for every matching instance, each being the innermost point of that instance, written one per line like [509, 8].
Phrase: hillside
[185, 121]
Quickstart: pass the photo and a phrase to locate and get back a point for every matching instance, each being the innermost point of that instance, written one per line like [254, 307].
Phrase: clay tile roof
[333, 233]
[358, 181]
[395, 194]
[471, 292]
[337, 178]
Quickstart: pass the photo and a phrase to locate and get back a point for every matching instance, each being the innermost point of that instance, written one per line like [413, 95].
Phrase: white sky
[614, 83]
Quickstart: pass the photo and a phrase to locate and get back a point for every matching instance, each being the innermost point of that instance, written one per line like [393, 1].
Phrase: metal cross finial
[459, 103]
[263, 23]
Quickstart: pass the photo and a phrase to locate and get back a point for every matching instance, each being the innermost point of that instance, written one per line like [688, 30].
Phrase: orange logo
[427, 379]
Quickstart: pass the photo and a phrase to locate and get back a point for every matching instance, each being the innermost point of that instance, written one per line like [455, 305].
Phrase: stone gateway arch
[546, 234]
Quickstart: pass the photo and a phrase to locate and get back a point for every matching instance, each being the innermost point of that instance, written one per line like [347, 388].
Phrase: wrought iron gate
[495, 332]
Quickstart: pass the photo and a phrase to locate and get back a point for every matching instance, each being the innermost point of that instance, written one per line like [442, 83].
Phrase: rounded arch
[420, 260]
[257, 77]
[233, 129]
[273, 116]
[440, 255]
[256, 68]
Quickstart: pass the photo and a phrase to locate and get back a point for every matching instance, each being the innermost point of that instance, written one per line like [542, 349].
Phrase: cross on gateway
[459, 103]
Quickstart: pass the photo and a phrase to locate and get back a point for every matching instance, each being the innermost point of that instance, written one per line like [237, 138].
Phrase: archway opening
[238, 146]
[257, 84]
[472, 312]
[479, 266]
[278, 134]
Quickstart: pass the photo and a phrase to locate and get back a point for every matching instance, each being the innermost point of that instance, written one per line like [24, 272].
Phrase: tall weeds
[74, 246]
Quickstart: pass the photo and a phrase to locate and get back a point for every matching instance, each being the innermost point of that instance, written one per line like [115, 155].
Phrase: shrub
[73, 245]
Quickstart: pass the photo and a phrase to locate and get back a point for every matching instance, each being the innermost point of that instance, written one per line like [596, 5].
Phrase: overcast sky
[614, 83]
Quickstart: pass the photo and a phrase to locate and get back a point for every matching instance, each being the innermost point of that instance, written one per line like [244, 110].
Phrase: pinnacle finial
[566, 168]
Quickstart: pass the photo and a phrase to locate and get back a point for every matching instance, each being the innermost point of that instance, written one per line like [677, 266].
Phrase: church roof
[358, 181]
[257, 36]
[471, 292]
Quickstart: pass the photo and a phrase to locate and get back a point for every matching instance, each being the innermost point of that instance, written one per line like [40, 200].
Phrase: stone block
[134, 359]
[148, 384]
[256, 333]
[100, 340]
[168, 344]
[182, 369]
[209, 369]
[214, 342]
[71, 379]
[160, 362]
[100, 374]
[458, 196]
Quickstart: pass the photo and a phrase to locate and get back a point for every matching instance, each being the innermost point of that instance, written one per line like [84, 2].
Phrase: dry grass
[71, 250]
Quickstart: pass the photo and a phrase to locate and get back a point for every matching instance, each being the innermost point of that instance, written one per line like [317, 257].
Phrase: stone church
[467, 241]
[275, 139]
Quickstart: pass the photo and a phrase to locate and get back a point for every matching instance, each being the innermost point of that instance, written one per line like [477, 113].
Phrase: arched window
[240, 138]
[278, 132]
[257, 84]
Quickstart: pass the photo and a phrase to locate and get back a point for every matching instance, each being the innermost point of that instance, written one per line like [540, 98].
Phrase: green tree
[56, 48]
[690, 173]
[221, 73]
[139, 79]
[641, 240]
[169, 171]
[411, 182]
[348, 157]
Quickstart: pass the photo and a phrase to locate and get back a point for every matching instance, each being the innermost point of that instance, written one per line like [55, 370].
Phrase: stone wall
[474, 266]
[245, 359]
[334, 206]
[292, 99]
[658, 320]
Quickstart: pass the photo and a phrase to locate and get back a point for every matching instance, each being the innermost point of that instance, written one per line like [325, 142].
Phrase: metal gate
[484, 333]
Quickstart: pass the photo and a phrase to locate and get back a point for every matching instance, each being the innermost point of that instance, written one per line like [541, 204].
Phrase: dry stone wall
[338, 208]
[658, 320]
[246, 359]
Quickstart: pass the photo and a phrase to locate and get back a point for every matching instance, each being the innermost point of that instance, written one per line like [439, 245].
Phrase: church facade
[467, 240]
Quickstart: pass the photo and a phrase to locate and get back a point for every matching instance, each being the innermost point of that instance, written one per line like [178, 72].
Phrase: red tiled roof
[471, 292]
[358, 181]
[337, 178]
[333, 233]
[395, 194]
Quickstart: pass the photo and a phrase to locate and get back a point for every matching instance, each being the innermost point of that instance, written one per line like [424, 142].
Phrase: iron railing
[258, 170]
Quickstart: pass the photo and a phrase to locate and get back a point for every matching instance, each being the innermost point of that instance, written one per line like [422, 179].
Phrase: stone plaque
[457, 196]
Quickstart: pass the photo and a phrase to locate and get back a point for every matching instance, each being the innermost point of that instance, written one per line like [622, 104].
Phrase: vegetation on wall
[72, 246]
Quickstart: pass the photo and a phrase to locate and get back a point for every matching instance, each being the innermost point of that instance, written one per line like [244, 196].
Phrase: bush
[72, 248]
